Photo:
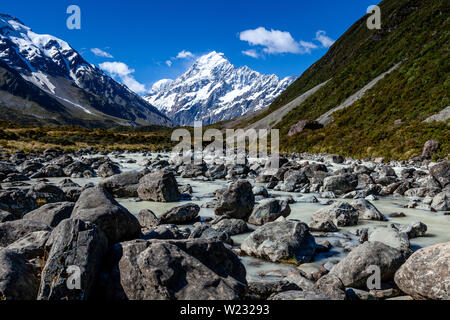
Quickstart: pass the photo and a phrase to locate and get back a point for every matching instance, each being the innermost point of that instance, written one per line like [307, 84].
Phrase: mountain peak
[212, 90]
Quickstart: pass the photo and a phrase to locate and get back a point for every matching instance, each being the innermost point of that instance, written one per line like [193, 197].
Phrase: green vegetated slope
[415, 33]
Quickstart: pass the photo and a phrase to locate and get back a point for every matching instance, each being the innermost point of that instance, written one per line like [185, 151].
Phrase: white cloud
[100, 53]
[324, 39]
[169, 63]
[306, 47]
[273, 41]
[124, 73]
[251, 53]
[185, 54]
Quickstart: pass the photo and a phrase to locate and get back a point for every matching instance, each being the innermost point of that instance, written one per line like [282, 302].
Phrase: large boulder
[108, 169]
[159, 186]
[392, 237]
[340, 184]
[14, 230]
[183, 214]
[293, 179]
[278, 241]
[33, 245]
[331, 286]
[123, 185]
[174, 270]
[44, 193]
[269, 211]
[148, 219]
[426, 274]
[231, 226]
[78, 244]
[99, 207]
[441, 172]
[52, 214]
[16, 202]
[354, 270]
[341, 214]
[6, 216]
[367, 211]
[237, 201]
[18, 279]
[441, 202]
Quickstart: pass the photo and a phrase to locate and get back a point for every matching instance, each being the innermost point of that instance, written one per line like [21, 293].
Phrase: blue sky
[144, 35]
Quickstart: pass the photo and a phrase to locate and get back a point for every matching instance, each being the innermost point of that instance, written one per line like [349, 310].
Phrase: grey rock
[12, 231]
[99, 207]
[237, 201]
[441, 202]
[367, 211]
[148, 219]
[354, 269]
[159, 186]
[299, 295]
[75, 243]
[426, 274]
[391, 237]
[277, 241]
[180, 215]
[341, 214]
[123, 185]
[441, 172]
[269, 211]
[32, 245]
[18, 280]
[231, 226]
[52, 214]
[414, 230]
[340, 184]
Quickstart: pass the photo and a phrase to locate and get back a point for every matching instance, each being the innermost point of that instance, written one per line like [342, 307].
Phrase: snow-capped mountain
[80, 89]
[212, 90]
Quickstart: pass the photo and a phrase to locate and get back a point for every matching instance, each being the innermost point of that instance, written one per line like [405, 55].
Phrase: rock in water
[148, 219]
[159, 186]
[441, 202]
[75, 244]
[18, 280]
[278, 241]
[340, 184]
[354, 270]
[51, 214]
[426, 274]
[367, 211]
[237, 201]
[99, 207]
[123, 185]
[391, 237]
[269, 211]
[341, 214]
[181, 214]
[174, 270]
[231, 226]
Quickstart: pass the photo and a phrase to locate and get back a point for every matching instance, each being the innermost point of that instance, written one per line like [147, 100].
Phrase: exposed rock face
[441, 172]
[75, 243]
[174, 270]
[237, 201]
[414, 230]
[426, 274]
[52, 214]
[340, 184]
[159, 186]
[181, 215]
[123, 185]
[269, 211]
[302, 125]
[6, 216]
[262, 289]
[367, 211]
[429, 149]
[18, 280]
[354, 270]
[99, 207]
[341, 214]
[277, 241]
[166, 232]
[12, 231]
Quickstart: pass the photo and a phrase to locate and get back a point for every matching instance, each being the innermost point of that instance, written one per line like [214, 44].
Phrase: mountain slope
[213, 90]
[53, 66]
[387, 119]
